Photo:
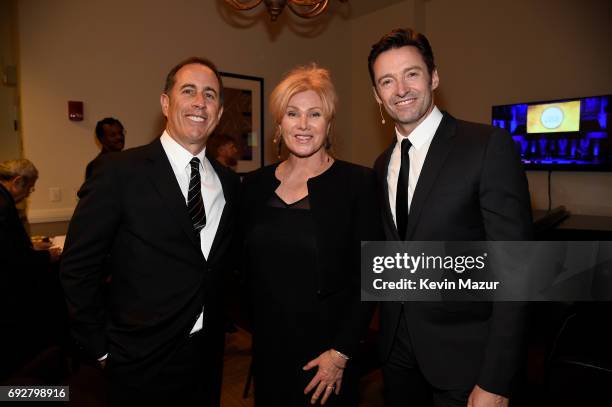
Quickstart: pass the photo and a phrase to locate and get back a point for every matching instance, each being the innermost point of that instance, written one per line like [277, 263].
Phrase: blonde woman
[303, 222]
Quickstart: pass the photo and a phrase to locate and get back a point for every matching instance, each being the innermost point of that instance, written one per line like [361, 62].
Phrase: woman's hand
[329, 376]
[41, 245]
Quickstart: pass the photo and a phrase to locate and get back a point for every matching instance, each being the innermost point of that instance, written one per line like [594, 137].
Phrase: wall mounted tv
[568, 134]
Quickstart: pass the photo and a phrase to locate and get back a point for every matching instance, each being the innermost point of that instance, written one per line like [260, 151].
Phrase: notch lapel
[441, 145]
[164, 181]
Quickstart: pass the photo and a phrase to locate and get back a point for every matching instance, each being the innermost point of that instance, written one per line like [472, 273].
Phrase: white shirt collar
[178, 155]
[424, 132]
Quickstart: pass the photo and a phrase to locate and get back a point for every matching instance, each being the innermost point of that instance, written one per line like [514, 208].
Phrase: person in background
[159, 218]
[111, 135]
[224, 148]
[444, 179]
[303, 220]
[22, 272]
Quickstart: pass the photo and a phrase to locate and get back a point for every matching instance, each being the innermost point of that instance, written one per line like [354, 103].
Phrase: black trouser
[192, 377]
[405, 385]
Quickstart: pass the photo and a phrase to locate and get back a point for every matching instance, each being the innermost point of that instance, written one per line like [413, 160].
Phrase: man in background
[111, 135]
[224, 148]
[24, 272]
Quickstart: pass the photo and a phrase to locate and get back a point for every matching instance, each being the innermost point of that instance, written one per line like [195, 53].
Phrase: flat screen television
[568, 134]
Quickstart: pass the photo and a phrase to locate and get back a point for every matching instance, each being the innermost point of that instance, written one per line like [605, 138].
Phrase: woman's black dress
[292, 322]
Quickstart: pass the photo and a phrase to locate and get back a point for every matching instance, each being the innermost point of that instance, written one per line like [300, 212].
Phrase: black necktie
[195, 204]
[401, 193]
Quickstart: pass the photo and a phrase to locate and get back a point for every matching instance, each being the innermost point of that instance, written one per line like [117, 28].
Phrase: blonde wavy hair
[301, 79]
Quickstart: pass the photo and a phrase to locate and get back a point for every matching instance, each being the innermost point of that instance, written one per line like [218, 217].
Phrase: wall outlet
[55, 194]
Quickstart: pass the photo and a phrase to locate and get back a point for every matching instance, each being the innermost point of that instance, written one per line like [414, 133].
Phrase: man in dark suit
[24, 273]
[444, 179]
[111, 135]
[159, 219]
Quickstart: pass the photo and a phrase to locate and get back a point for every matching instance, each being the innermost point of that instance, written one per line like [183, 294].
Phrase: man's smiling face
[192, 106]
[404, 86]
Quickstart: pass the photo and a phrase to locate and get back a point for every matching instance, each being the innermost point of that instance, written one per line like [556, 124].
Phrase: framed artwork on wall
[242, 119]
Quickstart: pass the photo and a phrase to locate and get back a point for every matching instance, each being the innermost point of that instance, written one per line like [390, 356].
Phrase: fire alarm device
[75, 111]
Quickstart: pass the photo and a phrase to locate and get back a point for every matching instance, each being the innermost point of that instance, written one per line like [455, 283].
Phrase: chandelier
[303, 8]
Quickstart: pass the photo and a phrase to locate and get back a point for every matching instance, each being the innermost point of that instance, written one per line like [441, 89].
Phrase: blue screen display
[587, 149]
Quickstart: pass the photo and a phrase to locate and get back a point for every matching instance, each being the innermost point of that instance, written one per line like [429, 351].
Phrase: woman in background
[304, 219]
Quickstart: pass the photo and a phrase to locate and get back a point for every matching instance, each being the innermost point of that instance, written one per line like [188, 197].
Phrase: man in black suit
[159, 219]
[444, 179]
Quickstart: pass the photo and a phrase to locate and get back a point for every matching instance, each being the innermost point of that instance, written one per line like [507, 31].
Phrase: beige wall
[113, 55]
[10, 141]
[492, 53]
[498, 52]
[369, 136]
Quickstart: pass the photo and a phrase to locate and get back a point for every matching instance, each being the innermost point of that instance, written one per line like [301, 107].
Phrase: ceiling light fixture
[302, 8]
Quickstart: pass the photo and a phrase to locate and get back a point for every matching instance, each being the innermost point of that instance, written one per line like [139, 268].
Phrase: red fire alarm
[75, 111]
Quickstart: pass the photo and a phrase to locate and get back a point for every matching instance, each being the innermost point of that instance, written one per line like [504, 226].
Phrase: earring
[278, 139]
[280, 145]
[278, 136]
[382, 118]
[328, 142]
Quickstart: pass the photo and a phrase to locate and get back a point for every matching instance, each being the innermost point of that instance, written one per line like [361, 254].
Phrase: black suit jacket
[345, 212]
[132, 222]
[22, 268]
[92, 164]
[471, 187]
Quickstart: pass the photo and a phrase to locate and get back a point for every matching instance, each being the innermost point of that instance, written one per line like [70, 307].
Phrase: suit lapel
[382, 179]
[163, 178]
[228, 194]
[441, 145]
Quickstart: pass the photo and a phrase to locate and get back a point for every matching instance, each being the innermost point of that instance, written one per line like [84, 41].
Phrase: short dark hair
[171, 77]
[109, 121]
[402, 37]
[218, 140]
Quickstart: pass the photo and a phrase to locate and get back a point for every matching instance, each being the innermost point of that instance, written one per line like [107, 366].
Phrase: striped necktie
[195, 203]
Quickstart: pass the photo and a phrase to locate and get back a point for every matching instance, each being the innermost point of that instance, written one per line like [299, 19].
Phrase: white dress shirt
[420, 138]
[212, 193]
